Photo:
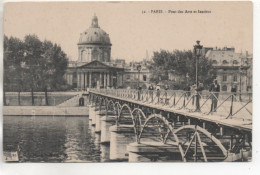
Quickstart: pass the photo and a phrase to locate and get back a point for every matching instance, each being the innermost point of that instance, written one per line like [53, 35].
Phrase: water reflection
[53, 139]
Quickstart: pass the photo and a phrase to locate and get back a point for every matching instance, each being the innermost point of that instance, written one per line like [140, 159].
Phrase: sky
[132, 32]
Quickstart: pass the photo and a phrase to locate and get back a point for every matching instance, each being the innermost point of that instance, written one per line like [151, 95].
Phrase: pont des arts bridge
[143, 126]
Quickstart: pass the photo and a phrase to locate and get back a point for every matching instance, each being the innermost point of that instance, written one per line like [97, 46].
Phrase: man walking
[150, 89]
[214, 87]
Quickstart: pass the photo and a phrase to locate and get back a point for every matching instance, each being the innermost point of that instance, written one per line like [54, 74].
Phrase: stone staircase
[74, 101]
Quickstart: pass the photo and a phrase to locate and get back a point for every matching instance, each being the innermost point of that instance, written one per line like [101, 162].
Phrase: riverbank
[39, 98]
[45, 111]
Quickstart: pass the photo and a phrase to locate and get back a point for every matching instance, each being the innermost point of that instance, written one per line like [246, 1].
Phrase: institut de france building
[93, 69]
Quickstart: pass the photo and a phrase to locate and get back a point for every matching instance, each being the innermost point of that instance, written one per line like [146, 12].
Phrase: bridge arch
[139, 111]
[111, 102]
[170, 128]
[125, 106]
[204, 132]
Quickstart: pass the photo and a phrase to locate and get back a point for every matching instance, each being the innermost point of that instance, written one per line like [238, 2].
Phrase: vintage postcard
[127, 81]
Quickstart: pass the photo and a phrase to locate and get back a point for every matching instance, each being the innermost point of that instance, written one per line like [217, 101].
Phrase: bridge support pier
[91, 109]
[98, 116]
[153, 152]
[242, 156]
[104, 155]
[106, 123]
[120, 137]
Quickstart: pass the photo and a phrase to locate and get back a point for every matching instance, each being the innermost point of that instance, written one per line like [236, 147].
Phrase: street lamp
[197, 53]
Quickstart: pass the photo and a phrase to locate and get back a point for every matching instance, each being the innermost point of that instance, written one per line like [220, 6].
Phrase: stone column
[108, 79]
[100, 79]
[112, 80]
[86, 80]
[105, 80]
[78, 80]
[82, 80]
[90, 83]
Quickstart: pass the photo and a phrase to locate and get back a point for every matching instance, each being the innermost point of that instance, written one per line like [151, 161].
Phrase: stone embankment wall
[54, 98]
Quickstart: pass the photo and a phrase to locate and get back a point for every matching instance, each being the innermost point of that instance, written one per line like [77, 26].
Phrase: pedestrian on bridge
[139, 91]
[193, 93]
[158, 92]
[215, 89]
[166, 94]
[234, 92]
[150, 89]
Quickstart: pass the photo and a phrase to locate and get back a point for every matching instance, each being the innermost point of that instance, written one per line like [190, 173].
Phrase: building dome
[94, 34]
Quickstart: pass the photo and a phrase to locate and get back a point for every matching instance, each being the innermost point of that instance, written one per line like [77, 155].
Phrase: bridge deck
[241, 124]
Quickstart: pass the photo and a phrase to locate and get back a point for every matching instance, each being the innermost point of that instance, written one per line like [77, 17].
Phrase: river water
[53, 139]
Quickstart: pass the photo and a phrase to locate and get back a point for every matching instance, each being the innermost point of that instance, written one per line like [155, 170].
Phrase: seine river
[53, 139]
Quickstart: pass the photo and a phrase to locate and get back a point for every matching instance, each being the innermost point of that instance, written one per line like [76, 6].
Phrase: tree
[182, 63]
[13, 55]
[33, 65]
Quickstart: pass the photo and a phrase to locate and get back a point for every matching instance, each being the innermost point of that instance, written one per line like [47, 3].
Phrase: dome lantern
[94, 22]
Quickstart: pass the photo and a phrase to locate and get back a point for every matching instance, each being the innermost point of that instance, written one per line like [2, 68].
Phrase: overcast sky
[132, 32]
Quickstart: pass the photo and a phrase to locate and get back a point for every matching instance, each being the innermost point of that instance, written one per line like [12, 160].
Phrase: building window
[128, 77]
[235, 62]
[224, 78]
[214, 62]
[224, 62]
[74, 75]
[224, 88]
[144, 77]
[235, 78]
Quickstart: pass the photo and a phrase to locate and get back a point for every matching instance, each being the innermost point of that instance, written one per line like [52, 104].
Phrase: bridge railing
[226, 105]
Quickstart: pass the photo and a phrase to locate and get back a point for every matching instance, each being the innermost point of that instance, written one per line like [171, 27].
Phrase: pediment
[94, 64]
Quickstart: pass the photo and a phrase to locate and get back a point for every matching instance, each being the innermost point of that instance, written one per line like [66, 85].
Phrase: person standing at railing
[139, 92]
[193, 93]
[234, 91]
[187, 89]
[150, 89]
[158, 93]
[199, 90]
[215, 89]
[166, 94]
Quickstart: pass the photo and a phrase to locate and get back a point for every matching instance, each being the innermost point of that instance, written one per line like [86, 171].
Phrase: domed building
[94, 69]
[94, 44]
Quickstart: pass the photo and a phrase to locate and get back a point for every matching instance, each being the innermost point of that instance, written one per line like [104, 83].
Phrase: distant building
[232, 69]
[131, 74]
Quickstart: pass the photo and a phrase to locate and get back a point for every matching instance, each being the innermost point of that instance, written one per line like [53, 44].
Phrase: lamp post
[197, 54]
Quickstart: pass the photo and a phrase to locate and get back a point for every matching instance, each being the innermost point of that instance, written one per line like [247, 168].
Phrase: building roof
[94, 34]
[225, 58]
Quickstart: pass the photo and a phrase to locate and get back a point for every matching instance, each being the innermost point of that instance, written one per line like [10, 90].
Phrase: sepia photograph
[127, 82]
